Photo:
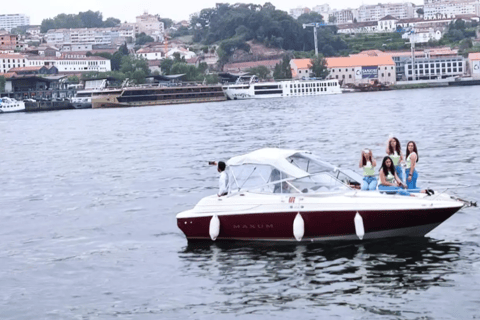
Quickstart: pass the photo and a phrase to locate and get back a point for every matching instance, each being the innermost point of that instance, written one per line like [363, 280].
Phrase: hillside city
[401, 42]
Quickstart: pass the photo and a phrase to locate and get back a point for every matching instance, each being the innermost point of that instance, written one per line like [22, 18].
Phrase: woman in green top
[394, 151]
[368, 163]
[389, 180]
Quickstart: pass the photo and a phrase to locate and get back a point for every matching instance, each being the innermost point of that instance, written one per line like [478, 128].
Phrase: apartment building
[93, 36]
[343, 16]
[297, 12]
[11, 21]
[450, 8]
[148, 24]
[402, 10]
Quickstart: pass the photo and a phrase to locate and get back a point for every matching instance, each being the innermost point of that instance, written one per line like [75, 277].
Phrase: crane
[316, 25]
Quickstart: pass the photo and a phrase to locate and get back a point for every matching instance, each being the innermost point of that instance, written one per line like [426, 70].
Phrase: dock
[37, 106]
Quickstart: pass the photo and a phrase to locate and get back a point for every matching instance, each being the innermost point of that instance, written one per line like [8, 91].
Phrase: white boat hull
[294, 88]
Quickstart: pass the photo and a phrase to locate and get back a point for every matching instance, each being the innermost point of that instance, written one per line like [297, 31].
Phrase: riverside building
[362, 69]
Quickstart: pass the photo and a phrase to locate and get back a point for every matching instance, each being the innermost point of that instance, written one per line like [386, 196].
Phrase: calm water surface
[89, 197]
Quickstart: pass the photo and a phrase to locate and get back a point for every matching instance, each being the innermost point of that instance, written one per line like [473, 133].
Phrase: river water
[89, 197]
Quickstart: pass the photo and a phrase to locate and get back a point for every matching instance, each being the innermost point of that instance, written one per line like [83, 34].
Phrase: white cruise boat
[250, 88]
[11, 105]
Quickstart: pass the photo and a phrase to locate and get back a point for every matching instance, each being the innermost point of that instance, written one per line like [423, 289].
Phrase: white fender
[359, 229]
[298, 227]
[214, 227]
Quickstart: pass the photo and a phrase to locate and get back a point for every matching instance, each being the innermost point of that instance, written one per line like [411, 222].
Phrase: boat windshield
[268, 179]
[309, 164]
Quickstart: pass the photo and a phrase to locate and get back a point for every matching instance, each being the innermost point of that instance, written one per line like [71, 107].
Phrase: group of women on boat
[391, 171]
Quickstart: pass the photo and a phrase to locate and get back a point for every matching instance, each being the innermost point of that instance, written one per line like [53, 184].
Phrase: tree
[420, 11]
[88, 19]
[332, 19]
[111, 22]
[91, 19]
[134, 68]
[261, 72]
[73, 79]
[166, 22]
[166, 66]
[142, 38]
[282, 70]
[2, 83]
[319, 68]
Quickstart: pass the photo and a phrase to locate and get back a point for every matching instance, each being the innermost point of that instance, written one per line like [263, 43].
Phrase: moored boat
[163, 95]
[8, 105]
[292, 195]
[252, 89]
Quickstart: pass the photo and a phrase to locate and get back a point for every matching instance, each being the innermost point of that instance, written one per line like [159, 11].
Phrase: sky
[127, 10]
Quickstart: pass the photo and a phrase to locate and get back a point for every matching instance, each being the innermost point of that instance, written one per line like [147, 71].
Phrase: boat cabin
[273, 170]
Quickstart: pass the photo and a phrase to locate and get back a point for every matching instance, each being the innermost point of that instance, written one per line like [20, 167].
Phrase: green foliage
[420, 11]
[88, 19]
[134, 68]
[2, 83]
[111, 22]
[459, 30]
[282, 70]
[192, 73]
[142, 38]
[166, 65]
[166, 22]
[318, 67]
[73, 79]
[261, 72]
[182, 31]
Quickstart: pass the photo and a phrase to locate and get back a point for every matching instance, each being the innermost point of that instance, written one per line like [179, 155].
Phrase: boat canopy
[274, 157]
[284, 170]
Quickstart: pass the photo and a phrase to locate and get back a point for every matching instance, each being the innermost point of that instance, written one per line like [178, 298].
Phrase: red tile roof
[474, 56]
[302, 63]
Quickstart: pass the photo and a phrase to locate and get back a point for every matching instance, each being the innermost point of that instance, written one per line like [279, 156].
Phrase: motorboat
[293, 195]
[11, 105]
[248, 87]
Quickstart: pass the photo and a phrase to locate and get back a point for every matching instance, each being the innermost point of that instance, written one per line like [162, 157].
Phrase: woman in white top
[389, 180]
[368, 163]
[411, 163]
[394, 150]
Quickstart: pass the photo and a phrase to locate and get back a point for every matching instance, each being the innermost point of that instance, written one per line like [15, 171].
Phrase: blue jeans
[399, 171]
[412, 184]
[393, 190]
[369, 183]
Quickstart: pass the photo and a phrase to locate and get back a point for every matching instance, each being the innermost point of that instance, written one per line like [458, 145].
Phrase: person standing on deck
[223, 180]
[368, 163]
[394, 151]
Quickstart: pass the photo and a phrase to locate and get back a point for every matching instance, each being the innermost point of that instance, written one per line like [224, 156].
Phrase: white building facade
[449, 8]
[92, 36]
[11, 21]
[87, 64]
[403, 10]
[12, 60]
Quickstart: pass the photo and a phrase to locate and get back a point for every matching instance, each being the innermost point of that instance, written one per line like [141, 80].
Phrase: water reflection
[257, 274]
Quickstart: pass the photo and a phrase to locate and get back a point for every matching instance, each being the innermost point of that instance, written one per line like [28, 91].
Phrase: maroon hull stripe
[317, 224]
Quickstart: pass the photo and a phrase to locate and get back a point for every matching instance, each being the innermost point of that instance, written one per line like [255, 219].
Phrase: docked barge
[151, 96]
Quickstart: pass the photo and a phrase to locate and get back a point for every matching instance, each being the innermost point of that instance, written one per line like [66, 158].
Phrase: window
[389, 74]
[383, 75]
[350, 76]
